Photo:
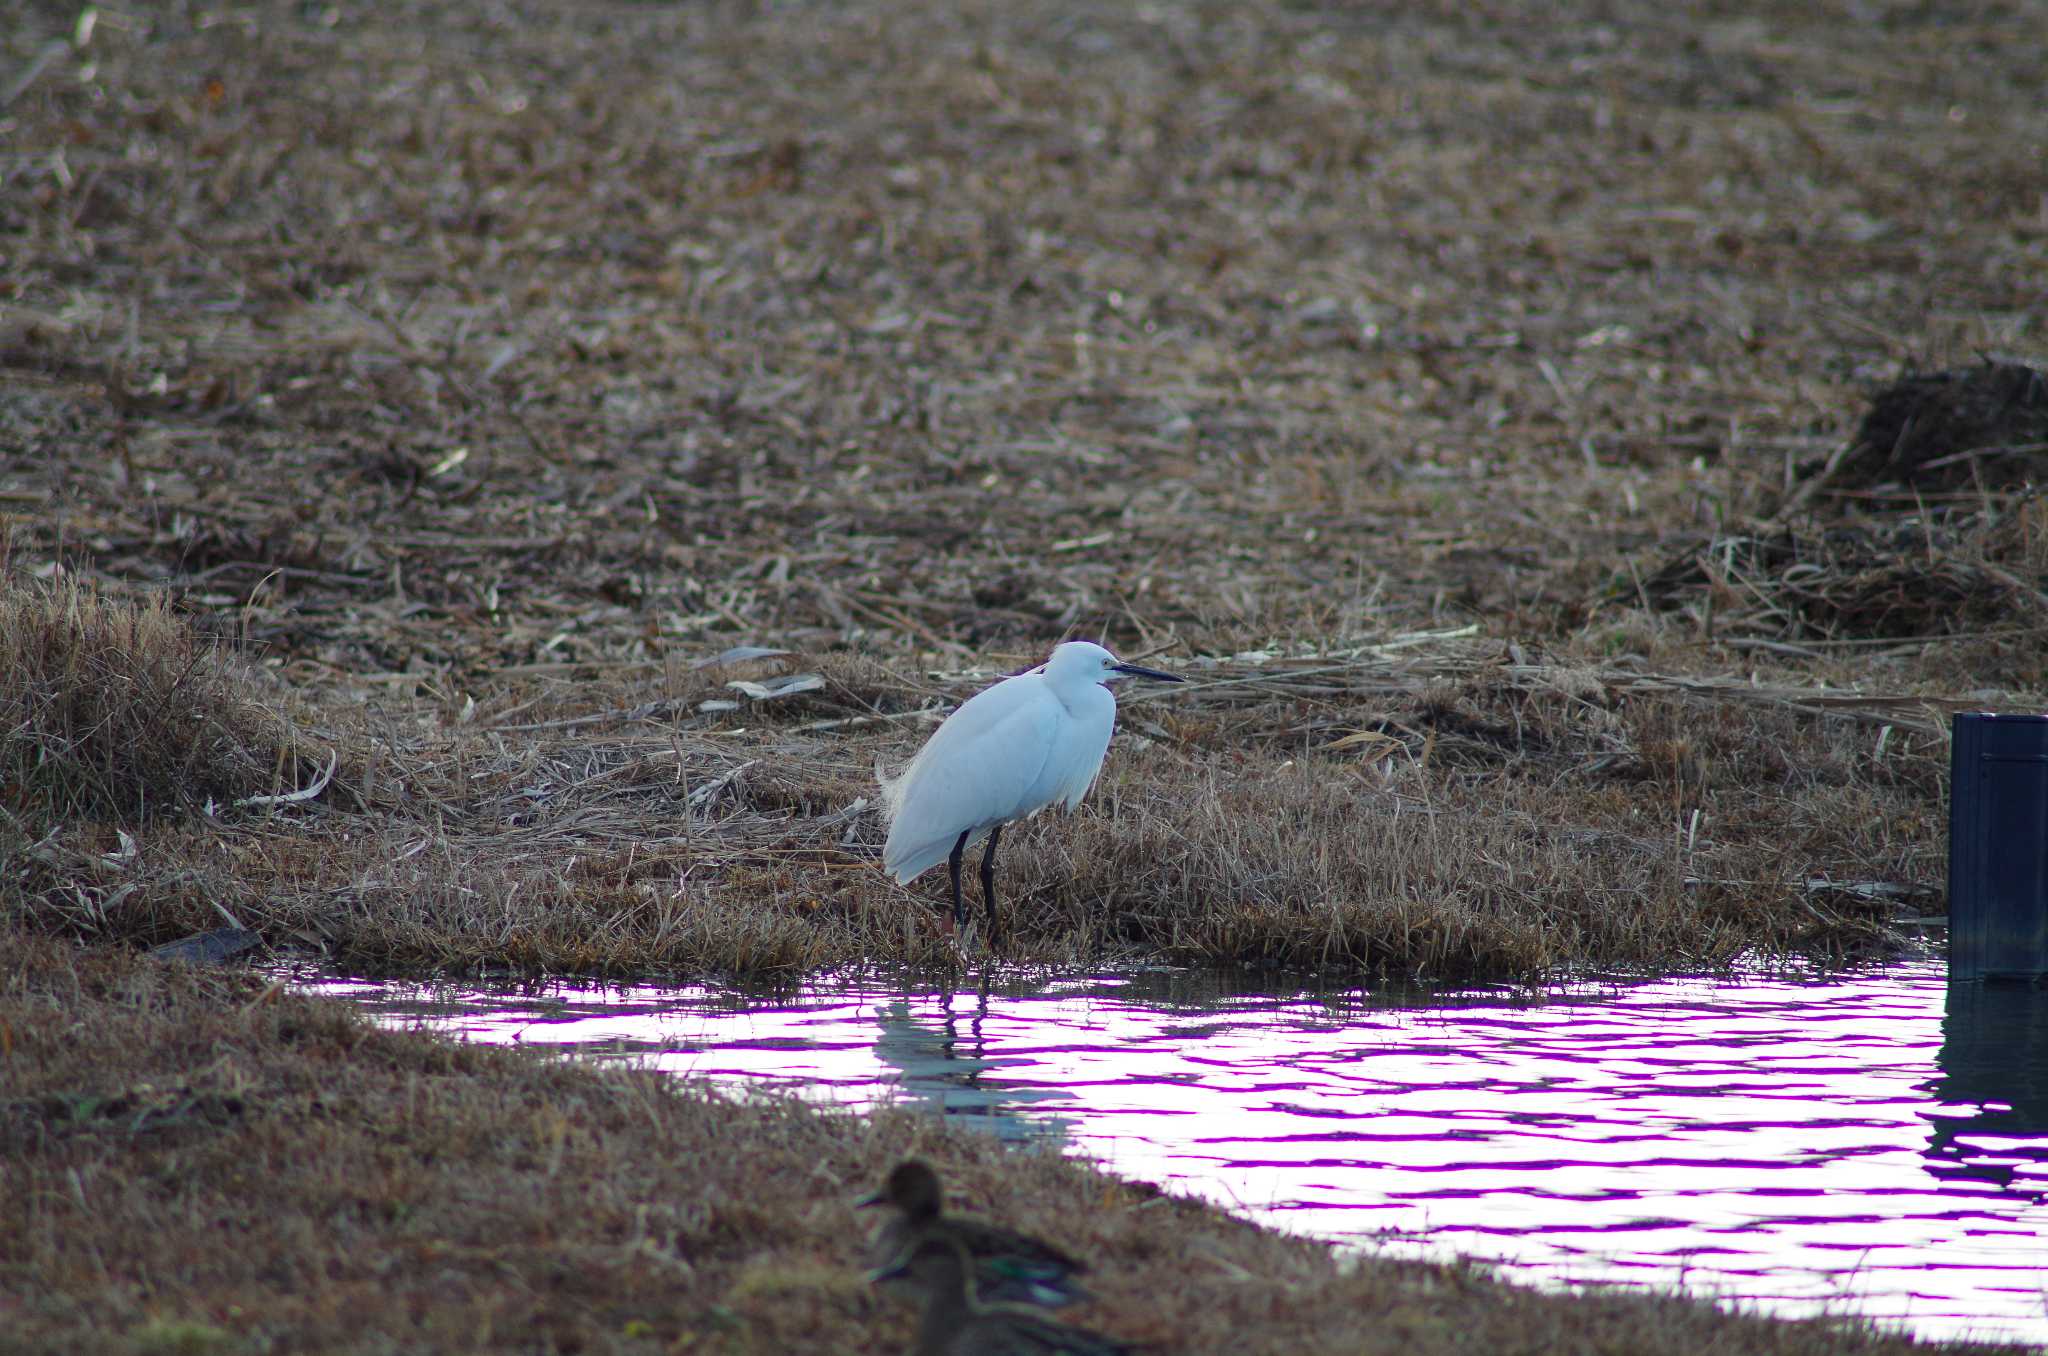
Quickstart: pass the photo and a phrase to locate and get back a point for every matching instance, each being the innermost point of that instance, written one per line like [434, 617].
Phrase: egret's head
[1085, 661]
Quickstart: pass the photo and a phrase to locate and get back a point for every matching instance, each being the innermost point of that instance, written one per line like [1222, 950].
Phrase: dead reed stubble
[1490, 824]
[1291, 331]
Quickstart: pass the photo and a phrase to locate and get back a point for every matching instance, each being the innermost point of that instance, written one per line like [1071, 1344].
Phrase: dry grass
[1902, 578]
[484, 370]
[198, 1163]
[114, 710]
[1416, 810]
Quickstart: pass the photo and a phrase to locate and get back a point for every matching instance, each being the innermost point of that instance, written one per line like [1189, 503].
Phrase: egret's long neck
[1080, 697]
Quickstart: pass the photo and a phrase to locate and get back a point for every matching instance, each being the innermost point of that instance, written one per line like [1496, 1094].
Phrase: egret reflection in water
[1867, 1143]
[941, 1060]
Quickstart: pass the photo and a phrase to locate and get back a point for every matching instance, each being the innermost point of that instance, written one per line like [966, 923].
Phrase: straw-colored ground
[1462, 397]
[197, 1164]
[403, 407]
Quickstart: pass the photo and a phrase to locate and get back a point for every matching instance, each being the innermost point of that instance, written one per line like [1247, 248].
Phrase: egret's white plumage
[1030, 741]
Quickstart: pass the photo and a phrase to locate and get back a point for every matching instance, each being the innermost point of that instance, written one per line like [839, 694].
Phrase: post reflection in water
[1869, 1143]
[1993, 1126]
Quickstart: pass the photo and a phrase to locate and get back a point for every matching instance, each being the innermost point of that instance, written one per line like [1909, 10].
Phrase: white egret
[1007, 753]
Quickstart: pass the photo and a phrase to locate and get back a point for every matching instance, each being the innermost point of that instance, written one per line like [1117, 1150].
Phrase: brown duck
[958, 1322]
[1009, 1267]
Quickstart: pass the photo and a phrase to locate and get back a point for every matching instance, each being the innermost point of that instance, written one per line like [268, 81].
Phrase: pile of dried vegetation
[1983, 427]
[1927, 522]
[1872, 578]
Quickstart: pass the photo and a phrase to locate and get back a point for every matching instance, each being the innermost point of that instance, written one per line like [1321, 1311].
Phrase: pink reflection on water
[1797, 1146]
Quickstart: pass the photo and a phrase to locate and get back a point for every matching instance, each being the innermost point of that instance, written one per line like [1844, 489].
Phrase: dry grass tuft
[117, 711]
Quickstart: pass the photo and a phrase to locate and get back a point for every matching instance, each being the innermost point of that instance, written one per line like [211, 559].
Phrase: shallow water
[1867, 1143]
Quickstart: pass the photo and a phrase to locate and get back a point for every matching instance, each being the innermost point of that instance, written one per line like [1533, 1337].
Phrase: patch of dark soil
[1984, 425]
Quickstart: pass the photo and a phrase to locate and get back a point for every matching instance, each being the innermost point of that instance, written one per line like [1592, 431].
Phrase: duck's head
[911, 1187]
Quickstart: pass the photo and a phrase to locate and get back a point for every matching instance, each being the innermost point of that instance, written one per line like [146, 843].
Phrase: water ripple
[1872, 1143]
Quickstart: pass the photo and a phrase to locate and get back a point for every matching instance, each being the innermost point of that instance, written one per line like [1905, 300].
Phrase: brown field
[1581, 456]
[1473, 405]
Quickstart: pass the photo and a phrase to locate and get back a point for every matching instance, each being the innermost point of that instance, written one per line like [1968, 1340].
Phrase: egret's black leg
[988, 878]
[953, 866]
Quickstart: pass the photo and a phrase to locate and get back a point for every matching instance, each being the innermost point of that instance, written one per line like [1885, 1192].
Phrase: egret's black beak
[1136, 672]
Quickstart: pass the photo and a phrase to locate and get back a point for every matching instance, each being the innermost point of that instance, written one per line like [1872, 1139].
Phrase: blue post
[1998, 847]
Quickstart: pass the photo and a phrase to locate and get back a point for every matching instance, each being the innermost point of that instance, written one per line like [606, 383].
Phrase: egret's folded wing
[974, 774]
